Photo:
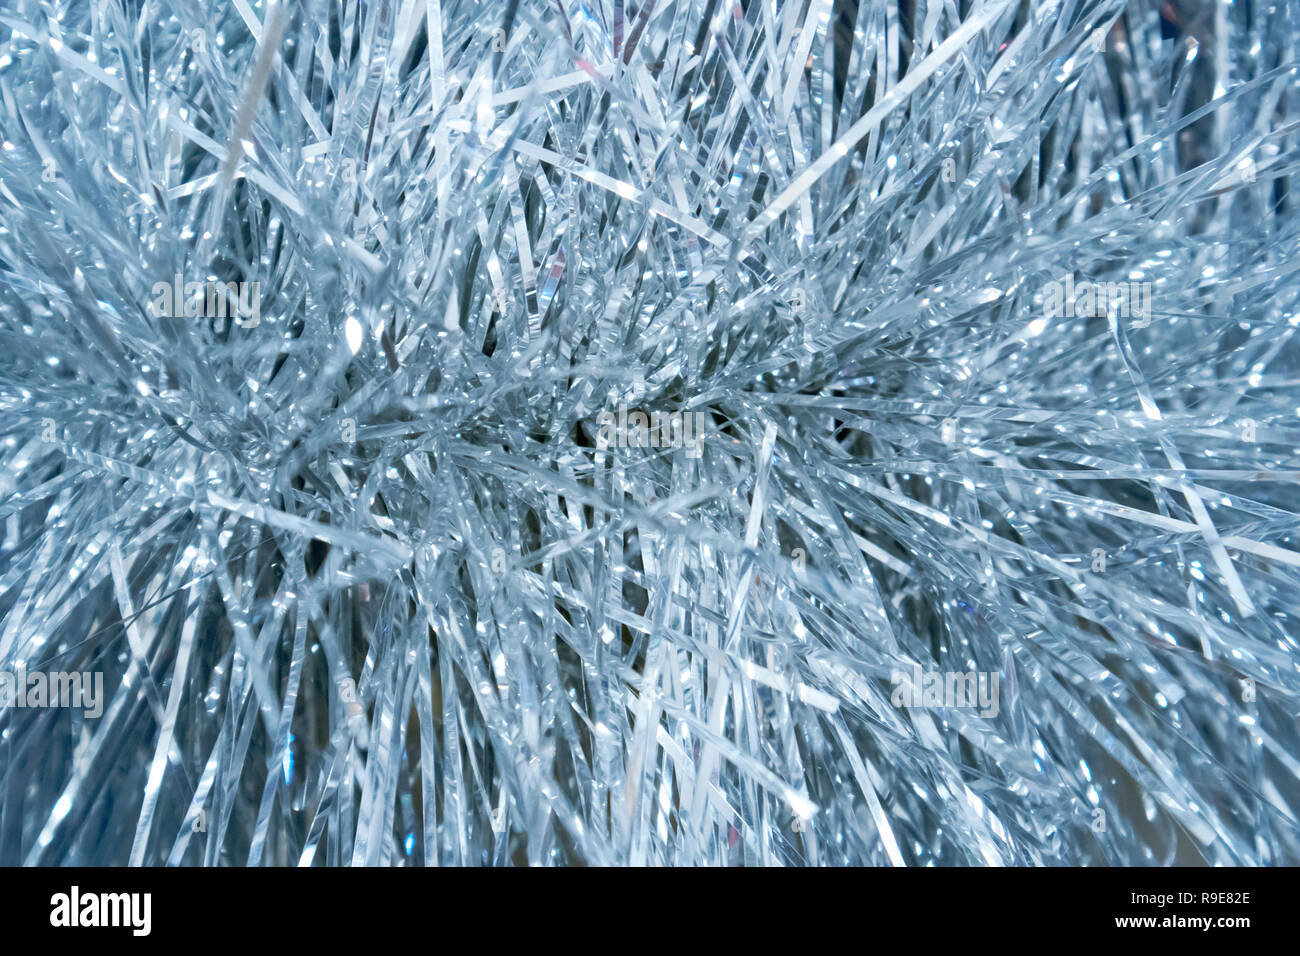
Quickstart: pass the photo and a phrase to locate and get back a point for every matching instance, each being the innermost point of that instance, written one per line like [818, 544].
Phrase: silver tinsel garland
[675, 432]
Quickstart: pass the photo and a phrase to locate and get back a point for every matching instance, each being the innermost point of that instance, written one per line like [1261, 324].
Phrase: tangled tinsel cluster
[462, 432]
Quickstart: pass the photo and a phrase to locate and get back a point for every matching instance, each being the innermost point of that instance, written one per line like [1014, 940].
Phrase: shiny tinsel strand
[675, 432]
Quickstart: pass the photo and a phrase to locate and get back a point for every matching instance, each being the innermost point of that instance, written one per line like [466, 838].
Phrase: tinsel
[632, 418]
